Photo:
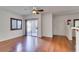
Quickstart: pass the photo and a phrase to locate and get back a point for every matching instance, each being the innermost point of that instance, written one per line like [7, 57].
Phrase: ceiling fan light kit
[37, 11]
[34, 11]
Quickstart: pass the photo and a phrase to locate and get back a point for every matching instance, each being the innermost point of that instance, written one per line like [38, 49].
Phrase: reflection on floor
[31, 34]
[34, 44]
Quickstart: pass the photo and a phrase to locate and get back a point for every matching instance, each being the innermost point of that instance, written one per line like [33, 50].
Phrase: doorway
[31, 27]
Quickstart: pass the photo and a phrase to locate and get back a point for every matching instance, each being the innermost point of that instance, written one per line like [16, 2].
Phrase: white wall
[5, 32]
[77, 41]
[38, 17]
[60, 27]
[47, 26]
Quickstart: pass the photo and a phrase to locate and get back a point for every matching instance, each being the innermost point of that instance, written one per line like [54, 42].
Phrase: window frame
[16, 24]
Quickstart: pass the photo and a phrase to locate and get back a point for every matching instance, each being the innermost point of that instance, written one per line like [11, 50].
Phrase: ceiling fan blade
[40, 10]
[37, 12]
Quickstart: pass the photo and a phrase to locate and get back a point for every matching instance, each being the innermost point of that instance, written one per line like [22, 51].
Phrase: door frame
[26, 25]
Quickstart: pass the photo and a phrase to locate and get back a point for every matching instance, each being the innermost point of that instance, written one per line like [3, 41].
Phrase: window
[16, 24]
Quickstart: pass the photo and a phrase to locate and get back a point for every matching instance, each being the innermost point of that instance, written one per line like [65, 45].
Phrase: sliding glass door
[32, 27]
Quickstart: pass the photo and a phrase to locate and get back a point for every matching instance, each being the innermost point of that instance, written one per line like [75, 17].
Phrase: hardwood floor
[34, 44]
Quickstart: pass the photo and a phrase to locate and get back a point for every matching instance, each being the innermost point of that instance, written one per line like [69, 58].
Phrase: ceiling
[56, 10]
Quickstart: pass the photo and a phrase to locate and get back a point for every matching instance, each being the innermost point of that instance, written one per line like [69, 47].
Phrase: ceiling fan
[37, 10]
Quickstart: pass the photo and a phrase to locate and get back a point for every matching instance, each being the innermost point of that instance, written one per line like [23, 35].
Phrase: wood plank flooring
[34, 44]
